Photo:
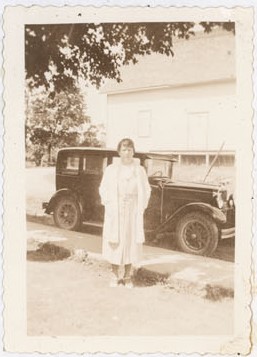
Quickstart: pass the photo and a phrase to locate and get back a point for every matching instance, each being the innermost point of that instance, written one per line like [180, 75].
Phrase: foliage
[57, 55]
[208, 26]
[55, 121]
[93, 136]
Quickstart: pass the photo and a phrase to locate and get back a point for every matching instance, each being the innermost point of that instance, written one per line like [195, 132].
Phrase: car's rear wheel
[197, 233]
[67, 213]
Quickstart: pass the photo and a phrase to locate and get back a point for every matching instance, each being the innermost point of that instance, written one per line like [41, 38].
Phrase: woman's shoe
[114, 282]
[128, 283]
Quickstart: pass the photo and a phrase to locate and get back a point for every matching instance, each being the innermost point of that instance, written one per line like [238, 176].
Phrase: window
[94, 165]
[69, 164]
[193, 159]
[144, 123]
[223, 160]
[158, 167]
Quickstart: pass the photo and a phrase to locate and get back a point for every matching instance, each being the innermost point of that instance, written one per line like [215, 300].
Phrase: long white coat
[109, 196]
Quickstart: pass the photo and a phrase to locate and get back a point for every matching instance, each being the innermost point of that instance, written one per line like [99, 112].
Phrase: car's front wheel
[67, 213]
[197, 233]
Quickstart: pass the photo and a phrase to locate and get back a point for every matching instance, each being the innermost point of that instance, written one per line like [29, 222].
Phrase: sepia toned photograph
[135, 159]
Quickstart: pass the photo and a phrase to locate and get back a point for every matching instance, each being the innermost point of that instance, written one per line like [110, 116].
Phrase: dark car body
[200, 214]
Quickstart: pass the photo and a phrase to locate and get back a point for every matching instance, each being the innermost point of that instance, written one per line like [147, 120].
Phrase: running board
[93, 224]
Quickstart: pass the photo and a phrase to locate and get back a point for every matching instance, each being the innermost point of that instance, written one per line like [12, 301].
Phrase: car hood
[190, 185]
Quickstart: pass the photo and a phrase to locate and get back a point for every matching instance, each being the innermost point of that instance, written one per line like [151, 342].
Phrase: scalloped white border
[14, 205]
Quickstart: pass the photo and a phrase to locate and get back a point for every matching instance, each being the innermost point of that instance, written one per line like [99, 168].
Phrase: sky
[96, 105]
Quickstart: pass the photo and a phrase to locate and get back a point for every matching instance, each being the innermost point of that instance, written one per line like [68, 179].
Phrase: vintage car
[199, 214]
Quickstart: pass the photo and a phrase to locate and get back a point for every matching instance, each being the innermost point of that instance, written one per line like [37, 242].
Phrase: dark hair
[126, 142]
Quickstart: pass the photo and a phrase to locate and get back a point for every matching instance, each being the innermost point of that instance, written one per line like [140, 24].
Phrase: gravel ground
[68, 297]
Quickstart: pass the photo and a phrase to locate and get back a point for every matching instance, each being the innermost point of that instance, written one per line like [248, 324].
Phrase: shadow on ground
[225, 250]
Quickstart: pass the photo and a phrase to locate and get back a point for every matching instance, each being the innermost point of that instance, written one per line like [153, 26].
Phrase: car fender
[64, 192]
[215, 213]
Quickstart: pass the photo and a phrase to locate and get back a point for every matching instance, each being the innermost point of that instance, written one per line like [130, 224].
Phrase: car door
[68, 171]
[153, 213]
[93, 166]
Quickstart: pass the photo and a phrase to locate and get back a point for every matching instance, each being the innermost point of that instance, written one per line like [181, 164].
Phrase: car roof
[139, 154]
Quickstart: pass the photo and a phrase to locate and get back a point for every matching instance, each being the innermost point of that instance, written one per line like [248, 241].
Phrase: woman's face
[126, 153]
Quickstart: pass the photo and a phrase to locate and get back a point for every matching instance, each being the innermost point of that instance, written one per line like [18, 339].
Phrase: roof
[98, 151]
[203, 58]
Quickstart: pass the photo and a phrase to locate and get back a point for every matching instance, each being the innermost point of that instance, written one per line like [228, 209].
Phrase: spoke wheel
[197, 234]
[67, 214]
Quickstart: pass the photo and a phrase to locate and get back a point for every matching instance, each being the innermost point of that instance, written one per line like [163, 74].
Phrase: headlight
[219, 199]
[231, 202]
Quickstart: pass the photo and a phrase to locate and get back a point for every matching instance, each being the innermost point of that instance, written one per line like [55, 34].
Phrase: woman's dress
[127, 250]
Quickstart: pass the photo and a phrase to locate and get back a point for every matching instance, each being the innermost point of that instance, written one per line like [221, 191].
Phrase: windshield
[156, 167]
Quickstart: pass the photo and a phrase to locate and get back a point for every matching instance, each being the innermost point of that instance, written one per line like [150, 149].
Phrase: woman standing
[125, 192]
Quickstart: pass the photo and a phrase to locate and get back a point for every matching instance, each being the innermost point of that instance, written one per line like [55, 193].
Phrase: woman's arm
[145, 185]
[105, 185]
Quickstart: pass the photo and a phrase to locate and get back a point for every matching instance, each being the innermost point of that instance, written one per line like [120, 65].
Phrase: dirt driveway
[73, 298]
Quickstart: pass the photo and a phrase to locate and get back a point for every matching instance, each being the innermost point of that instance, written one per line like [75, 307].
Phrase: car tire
[196, 233]
[67, 214]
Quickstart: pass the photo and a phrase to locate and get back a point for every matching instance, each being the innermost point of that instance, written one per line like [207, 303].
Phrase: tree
[54, 121]
[93, 136]
[66, 52]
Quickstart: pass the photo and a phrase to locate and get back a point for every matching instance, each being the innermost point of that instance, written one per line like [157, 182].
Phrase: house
[184, 104]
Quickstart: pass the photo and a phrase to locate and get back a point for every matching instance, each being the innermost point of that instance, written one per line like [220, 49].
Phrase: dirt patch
[144, 277]
[217, 293]
[48, 252]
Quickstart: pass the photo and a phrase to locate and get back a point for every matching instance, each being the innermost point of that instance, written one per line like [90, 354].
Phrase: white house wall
[205, 57]
[172, 112]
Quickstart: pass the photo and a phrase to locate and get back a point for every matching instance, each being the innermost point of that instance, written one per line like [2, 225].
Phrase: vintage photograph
[164, 101]
[131, 177]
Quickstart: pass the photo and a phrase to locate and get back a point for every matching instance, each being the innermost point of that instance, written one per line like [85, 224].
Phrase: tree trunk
[49, 151]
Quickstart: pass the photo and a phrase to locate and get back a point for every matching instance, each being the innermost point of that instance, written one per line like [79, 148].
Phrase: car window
[94, 164]
[158, 167]
[68, 165]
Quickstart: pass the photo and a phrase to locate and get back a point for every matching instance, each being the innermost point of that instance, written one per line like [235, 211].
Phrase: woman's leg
[115, 276]
[127, 276]
[115, 270]
[127, 272]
